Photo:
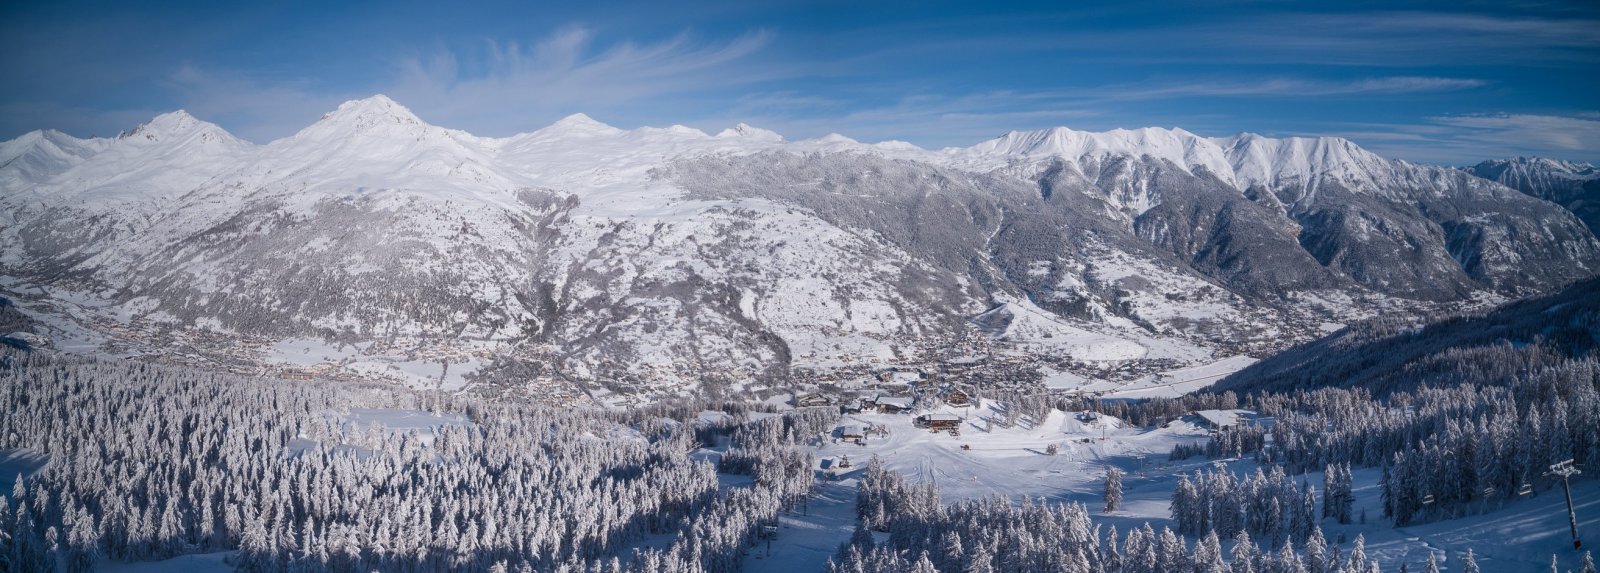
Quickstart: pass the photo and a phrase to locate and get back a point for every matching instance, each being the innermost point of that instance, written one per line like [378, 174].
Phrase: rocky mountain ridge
[659, 260]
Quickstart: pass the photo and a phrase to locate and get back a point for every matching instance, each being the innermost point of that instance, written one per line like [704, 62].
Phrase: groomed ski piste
[1014, 462]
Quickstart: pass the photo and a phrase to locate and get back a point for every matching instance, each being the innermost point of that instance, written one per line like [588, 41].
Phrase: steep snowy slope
[663, 259]
[155, 162]
[1400, 354]
[1575, 186]
[108, 191]
[1406, 230]
[39, 155]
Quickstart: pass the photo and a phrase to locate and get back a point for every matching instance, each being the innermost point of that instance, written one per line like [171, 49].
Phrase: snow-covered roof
[896, 401]
[941, 417]
[1220, 418]
[712, 417]
[848, 430]
[904, 376]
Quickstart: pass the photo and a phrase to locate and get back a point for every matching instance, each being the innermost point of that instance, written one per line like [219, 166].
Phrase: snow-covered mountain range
[664, 259]
[1575, 186]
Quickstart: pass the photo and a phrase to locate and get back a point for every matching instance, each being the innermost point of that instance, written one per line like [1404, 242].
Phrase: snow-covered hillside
[649, 260]
[1575, 186]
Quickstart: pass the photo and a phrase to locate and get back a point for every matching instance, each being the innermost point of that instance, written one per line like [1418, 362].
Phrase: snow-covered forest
[150, 461]
[147, 462]
[1464, 448]
[996, 535]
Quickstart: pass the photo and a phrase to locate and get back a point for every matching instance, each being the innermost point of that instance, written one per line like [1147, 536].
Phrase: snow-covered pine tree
[1113, 489]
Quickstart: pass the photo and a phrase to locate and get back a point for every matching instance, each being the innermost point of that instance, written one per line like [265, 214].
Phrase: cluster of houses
[889, 404]
[882, 404]
[879, 403]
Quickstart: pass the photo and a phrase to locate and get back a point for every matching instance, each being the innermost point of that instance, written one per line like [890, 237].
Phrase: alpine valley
[585, 262]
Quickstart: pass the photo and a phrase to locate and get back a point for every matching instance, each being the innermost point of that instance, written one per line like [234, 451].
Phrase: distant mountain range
[1575, 186]
[664, 259]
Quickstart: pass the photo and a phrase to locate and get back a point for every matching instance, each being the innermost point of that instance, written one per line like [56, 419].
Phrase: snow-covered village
[799, 287]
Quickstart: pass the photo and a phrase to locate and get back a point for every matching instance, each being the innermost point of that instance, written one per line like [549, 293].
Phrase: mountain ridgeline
[1482, 348]
[636, 256]
[1575, 186]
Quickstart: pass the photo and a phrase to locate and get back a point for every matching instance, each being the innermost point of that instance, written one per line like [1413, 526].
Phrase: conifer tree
[1113, 489]
[1469, 563]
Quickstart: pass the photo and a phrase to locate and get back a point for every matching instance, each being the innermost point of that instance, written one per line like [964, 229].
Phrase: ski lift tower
[1565, 470]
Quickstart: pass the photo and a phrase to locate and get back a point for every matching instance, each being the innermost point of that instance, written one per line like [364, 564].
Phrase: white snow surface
[376, 143]
[177, 177]
[1013, 462]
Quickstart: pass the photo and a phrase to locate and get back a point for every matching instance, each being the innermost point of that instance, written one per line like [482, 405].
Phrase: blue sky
[1446, 82]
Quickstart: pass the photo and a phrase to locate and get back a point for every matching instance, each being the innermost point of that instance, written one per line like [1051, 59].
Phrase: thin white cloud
[1465, 139]
[937, 120]
[1546, 32]
[787, 100]
[1290, 87]
[507, 85]
[504, 88]
[1402, 39]
[1376, 39]
[1556, 133]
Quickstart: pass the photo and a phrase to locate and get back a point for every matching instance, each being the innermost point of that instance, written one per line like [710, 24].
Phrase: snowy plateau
[583, 262]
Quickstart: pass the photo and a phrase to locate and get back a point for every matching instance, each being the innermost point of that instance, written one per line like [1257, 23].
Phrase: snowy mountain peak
[170, 134]
[1571, 184]
[172, 126]
[378, 104]
[748, 131]
[363, 115]
[834, 138]
[897, 145]
[1264, 160]
[580, 123]
[676, 130]
[1553, 167]
[642, 255]
[1176, 146]
[1062, 141]
[38, 155]
[45, 139]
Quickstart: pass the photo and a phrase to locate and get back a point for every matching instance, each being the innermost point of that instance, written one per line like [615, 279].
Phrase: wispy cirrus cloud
[502, 88]
[1288, 87]
[945, 119]
[1427, 73]
[488, 90]
[1464, 139]
[1379, 39]
[1548, 132]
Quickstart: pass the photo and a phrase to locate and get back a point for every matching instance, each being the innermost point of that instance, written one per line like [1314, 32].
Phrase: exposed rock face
[1575, 186]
